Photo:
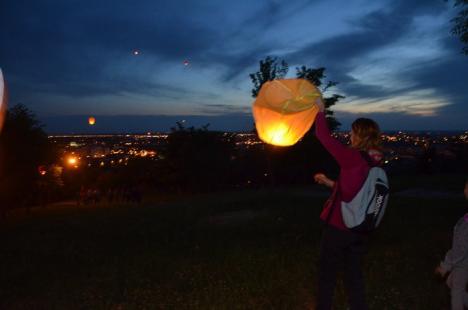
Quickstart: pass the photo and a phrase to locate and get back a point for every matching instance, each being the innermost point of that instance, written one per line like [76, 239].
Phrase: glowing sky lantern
[3, 99]
[91, 120]
[186, 62]
[136, 52]
[284, 110]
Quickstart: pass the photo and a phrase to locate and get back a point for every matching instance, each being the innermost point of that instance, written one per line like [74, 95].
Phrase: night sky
[395, 60]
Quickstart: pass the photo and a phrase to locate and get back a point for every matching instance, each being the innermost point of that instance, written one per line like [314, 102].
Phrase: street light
[42, 170]
[72, 161]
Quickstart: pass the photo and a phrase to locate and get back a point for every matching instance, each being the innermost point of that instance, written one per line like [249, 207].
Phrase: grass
[178, 255]
[437, 182]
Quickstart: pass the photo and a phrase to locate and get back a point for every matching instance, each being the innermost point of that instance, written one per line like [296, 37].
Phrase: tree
[270, 69]
[24, 146]
[315, 76]
[199, 158]
[460, 27]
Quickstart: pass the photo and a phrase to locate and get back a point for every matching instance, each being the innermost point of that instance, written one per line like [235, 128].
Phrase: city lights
[107, 151]
[72, 161]
[42, 170]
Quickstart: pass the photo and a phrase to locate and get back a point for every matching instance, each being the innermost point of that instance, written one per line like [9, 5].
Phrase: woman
[340, 245]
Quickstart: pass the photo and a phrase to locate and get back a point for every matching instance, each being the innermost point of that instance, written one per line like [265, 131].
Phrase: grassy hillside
[237, 250]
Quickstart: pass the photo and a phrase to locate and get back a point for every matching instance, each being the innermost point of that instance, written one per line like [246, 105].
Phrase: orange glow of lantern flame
[278, 135]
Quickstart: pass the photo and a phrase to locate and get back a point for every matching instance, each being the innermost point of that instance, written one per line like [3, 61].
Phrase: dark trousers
[341, 248]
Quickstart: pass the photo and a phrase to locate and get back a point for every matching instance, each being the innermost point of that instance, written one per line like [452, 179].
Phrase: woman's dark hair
[367, 134]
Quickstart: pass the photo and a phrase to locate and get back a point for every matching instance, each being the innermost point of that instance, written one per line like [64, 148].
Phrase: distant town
[402, 149]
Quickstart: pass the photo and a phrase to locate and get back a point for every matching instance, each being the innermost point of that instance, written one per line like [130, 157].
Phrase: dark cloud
[379, 29]
[54, 45]
[375, 30]
[236, 65]
[223, 109]
[246, 38]
[83, 49]
[67, 48]
[447, 75]
[400, 121]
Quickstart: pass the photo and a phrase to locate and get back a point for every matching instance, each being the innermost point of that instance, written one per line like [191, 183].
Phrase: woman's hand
[439, 271]
[322, 179]
[320, 104]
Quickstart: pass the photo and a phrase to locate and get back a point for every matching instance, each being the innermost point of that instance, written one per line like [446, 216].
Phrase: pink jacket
[353, 171]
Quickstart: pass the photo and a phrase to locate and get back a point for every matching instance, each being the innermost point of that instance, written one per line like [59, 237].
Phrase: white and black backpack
[365, 211]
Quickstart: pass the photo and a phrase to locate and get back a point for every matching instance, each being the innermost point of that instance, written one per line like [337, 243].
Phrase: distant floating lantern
[91, 120]
[186, 62]
[284, 110]
[3, 99]
[136, 52]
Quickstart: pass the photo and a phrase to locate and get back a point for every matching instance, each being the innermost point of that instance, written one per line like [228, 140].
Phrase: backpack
[365, 211]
